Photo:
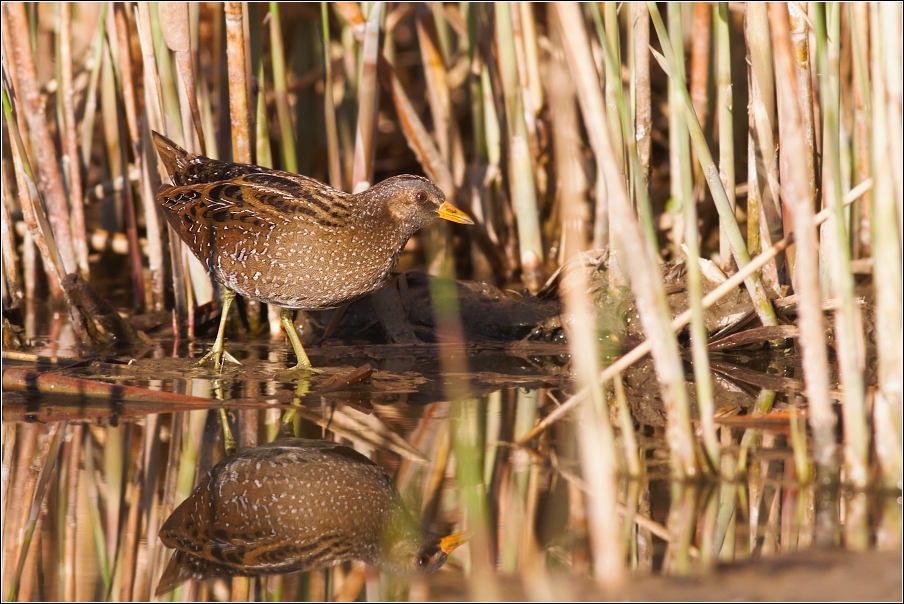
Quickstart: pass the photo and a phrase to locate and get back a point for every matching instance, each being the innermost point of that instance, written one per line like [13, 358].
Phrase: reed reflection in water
[108, 490]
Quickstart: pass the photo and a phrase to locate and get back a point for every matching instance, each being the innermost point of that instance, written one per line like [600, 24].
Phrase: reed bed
[560, 129]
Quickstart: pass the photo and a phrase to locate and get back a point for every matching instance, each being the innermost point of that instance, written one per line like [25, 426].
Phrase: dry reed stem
[437, 90]
[351, 12]
[701, 58]
[126, 92]
[648, 289]
[762, 150]
[437, 236]
[590, 97]
[141, 153]
[91, 92]
[886, 220]
[70, 560]
[886, 108]
[643, 109]
[41, 467]
[680, 523]
[887, 422]
[441, 446]
[70, 138]
[126, 69]
[571, 180]
[174, 25]
[800, 34]
[860, 220]
[238, 89]
[25, 438]
[329, 105]
[892, 22]
[129, 537]
[681, 321]
[419, 140]
[368, 102]
[797, 193]
[12, 283]
[534, 89]
[524, 70]
[754, 285]
[43, 146]
[149, 178]
[153, 90]
[30, 214]
[597, 451]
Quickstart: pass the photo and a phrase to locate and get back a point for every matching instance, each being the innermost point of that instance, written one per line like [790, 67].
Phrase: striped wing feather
[252, 203]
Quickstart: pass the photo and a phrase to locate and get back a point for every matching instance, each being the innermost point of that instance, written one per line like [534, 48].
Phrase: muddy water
[90, 476]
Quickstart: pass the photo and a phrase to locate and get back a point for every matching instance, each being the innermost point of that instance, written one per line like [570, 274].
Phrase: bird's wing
[254, 204]
[202, 212]
[295, 198]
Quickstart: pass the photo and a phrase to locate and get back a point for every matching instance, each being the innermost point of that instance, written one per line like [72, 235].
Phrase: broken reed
[141, 67]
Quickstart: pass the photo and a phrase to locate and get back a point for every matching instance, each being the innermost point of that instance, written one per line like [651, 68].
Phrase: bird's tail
[175, 158]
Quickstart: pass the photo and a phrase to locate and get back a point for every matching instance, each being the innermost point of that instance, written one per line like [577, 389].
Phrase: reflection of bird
[289, 240]
[295, 505]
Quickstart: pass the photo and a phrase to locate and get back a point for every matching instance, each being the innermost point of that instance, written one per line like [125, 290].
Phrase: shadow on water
[112, 445]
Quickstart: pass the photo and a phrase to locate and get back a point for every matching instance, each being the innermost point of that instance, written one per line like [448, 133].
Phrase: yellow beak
[449, 212]
[447, 544]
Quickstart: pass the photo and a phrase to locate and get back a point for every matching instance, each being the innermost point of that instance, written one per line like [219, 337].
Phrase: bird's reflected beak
[447, 544]
[449, 212]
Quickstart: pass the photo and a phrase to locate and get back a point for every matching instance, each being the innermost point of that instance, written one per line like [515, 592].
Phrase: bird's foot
[303, 369]
[218, 355]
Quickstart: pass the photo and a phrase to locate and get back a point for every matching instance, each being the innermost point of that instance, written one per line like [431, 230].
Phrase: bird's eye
[423, 560]
[420, 196]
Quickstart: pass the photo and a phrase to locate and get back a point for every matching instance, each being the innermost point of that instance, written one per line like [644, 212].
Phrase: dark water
[89, 477]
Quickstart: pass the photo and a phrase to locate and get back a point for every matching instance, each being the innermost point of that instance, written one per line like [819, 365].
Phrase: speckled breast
[308, 267]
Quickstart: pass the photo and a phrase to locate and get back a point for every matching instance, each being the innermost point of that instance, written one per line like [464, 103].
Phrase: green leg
[285, 317]
[288, 418]
[218, 352]
[229, 443]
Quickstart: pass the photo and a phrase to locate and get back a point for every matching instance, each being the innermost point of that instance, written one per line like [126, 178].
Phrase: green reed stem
[631, 450]
[280, 92]
[91, 91]
[263, 155]
[682, 183]
[680, 175]
[724, 113]
[466, 442]
[761, 303]
[827, 22]
[521, 173]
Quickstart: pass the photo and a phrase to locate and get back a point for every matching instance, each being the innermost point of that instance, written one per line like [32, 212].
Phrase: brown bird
[296, 505]
[289, 240]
